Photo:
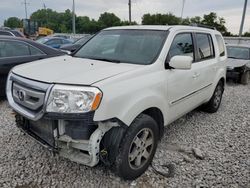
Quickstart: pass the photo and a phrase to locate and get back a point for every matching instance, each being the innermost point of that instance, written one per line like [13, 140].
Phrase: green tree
[160, 19]
[246, 34]
[108, 20]
[13, 22]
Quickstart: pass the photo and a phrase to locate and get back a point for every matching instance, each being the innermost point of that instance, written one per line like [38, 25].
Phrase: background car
[54, 42]
[15, 51]
[238, 65]
[77, 44]
[9, 32]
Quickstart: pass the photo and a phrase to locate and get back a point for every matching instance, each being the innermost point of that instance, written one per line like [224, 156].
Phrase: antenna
[25, 6]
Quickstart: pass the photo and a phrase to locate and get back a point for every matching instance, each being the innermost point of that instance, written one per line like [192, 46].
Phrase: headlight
[73, 99]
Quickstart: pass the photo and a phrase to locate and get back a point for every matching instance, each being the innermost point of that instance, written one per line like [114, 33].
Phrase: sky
[231, 10]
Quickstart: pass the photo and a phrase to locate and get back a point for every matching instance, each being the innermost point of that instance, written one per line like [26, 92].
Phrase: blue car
[54, 42]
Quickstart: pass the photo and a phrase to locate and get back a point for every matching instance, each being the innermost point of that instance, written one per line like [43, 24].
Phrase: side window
[221, 45]
[14, 49]
[35, 51]
[182, 45]
[5, 33]
[205, 46]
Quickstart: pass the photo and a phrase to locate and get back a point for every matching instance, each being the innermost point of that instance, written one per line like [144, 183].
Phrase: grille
[28, 98]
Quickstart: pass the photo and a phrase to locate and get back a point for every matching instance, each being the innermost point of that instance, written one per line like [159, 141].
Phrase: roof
[163, 27]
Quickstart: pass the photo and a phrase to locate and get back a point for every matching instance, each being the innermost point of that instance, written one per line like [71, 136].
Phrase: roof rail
[204, 26]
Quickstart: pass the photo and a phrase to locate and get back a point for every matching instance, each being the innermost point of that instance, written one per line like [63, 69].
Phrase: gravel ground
[203, 150]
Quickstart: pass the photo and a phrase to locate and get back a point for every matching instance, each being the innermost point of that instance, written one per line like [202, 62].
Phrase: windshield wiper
[104, 59]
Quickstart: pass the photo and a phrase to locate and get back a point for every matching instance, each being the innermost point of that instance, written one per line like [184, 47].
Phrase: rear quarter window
[220, 45]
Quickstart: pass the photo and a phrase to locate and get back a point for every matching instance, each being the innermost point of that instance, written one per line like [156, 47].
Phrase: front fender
[127, 107]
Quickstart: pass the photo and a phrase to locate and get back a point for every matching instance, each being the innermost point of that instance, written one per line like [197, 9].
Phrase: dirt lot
[221, 142]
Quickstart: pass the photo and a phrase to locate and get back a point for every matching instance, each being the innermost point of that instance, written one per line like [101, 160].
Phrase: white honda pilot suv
[110, 100]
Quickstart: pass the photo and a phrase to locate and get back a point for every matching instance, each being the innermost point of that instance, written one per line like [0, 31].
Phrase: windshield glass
[83, 40]
[42, 40]
[238, 52]
[125, 46]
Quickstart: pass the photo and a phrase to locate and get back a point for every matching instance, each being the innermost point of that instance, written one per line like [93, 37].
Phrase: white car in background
[111, 99]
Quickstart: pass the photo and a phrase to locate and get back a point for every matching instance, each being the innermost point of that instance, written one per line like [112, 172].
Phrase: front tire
[245, 78]
[137, 148]
[214, 103]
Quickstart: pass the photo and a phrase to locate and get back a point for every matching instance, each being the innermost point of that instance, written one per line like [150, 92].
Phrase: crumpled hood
[71, 70]
[237, 62]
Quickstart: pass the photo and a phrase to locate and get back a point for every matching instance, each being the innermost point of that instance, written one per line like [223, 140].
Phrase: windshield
[83, 40]
[238, 52]
[125, 46]
[42, 40]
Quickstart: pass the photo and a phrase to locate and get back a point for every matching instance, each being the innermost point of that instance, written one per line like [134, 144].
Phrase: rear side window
[13, 49]
[205, 46]
[35, 51]
[5, 33]
[221, 45]
[182, 45]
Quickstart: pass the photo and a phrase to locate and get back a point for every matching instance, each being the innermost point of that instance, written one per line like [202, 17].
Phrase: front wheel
[137, 148]
[214, 103]
[245, 78]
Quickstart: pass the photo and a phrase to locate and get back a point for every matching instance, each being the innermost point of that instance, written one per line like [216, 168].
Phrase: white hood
[71, 70]
[237, 62]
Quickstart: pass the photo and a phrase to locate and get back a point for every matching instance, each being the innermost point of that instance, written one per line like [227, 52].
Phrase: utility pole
[73, 19]
[243, 18]
[129, 9]
[25, 6]
[182, 10]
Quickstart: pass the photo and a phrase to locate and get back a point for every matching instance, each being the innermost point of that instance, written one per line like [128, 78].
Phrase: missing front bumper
[51, 134]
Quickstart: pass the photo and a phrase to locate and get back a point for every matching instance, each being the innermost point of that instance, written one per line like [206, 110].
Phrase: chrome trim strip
[189, 95]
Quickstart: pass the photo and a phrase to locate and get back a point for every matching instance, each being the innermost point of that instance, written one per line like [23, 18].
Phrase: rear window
[205, 46]
[221, 45]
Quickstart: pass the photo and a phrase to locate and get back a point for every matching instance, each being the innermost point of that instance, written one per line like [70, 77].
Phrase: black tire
[245, 78]
[214, 103]
[125, 166]
[2, 86]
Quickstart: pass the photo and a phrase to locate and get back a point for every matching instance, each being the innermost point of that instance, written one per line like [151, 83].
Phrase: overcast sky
[231, 10]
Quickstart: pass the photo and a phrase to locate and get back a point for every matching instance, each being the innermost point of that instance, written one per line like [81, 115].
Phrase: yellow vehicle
[43, 31]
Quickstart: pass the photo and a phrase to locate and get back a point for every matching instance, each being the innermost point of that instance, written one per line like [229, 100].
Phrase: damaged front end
[75, 136]
[77, 140]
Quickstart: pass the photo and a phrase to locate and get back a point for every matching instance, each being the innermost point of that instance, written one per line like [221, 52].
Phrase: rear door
[205, 66]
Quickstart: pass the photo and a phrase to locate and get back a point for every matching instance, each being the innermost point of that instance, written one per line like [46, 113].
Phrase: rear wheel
[137, 148]
[214, 103]
[245, 78]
